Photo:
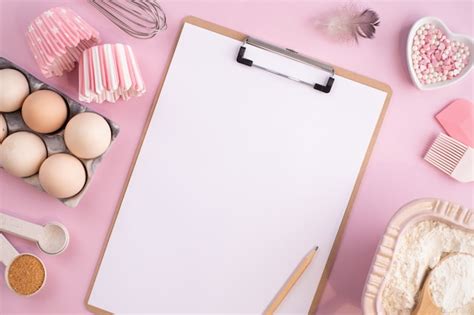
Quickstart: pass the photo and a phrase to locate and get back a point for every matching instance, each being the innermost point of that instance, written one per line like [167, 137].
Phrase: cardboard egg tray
[54, 141]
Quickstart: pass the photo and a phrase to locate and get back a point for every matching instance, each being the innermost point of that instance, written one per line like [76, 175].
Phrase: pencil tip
[316, 248]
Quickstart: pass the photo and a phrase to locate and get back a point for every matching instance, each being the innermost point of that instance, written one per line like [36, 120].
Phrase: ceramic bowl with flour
[418, 236]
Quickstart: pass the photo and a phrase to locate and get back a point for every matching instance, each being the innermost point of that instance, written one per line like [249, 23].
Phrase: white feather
[345, 23]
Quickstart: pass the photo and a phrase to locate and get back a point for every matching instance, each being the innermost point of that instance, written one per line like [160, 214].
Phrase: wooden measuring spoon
[426, 305]
[52, 238]
[9, 257]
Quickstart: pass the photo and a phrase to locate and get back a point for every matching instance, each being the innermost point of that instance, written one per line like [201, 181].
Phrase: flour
[452, 282]
[53, 239]
[418, 250]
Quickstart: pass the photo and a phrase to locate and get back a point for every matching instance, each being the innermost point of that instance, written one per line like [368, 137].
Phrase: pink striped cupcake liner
[57, 39]
[108, 72]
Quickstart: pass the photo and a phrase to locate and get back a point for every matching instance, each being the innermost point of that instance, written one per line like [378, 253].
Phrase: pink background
[396, 173]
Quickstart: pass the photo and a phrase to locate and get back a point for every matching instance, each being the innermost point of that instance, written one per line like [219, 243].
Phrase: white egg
[62, 175]
[3, 128]
[22, 153]
[87, 135]
[14, 89]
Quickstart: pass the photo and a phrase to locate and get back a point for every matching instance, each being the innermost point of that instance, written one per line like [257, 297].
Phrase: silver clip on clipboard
[289, 53]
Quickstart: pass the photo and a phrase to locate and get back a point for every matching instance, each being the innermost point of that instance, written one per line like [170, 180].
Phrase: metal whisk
[138, 18]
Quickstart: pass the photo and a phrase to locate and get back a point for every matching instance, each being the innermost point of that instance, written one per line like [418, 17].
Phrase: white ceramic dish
[452, 36]
[409, 215]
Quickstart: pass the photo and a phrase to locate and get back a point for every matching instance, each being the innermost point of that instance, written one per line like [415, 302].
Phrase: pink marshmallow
[437, 57]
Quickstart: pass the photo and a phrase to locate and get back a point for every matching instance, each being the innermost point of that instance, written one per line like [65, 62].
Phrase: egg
[62, 175]
[44, 111]
[22, 153]
[14, 89]
[3, 128]
[87, 135]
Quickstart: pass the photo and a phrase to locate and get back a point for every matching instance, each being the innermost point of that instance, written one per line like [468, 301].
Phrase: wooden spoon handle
[426, 305]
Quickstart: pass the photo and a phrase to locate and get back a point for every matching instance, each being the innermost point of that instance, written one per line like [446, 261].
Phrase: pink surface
[395, 175]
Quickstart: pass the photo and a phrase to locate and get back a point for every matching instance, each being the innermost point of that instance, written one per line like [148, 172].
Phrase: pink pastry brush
[452, 157]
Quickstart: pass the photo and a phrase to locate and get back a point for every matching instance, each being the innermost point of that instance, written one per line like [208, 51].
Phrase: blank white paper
[241, 173]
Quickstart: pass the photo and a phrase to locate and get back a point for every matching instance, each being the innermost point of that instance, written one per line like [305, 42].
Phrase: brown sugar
[26, 274]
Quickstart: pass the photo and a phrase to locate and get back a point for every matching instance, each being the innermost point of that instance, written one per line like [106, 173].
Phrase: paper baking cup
[57, 39]
[108, 72]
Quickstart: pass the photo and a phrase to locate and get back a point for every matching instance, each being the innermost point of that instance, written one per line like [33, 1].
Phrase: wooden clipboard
[340, 72]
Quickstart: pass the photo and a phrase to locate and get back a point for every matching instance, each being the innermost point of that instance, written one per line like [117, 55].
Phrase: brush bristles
[445, 153]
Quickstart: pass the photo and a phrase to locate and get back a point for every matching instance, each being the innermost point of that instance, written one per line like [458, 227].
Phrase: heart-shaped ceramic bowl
[451, 36]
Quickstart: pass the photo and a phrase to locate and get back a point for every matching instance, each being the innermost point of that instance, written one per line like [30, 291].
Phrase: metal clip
[288, 53]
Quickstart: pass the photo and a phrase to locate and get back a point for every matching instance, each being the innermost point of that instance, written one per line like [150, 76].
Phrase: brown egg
[3, 128]
[87, 135]
[62, 175]
[13, 89]
[22, 153]
[44, 111]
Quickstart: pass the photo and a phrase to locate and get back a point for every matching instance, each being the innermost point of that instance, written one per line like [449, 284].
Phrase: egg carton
[55, 141]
